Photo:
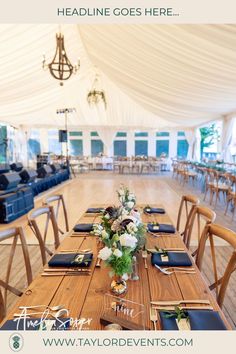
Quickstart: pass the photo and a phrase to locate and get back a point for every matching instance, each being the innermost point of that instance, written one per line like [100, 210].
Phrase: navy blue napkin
[33, 324]
[163, 228]
[95, 210]
[83, 228]
[176, 259]
[69, 260]
[154, 210]
[200, 320]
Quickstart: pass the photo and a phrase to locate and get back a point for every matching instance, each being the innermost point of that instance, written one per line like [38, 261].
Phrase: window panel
[54, 146]
[162, 134]
[181, 133]
[120, 148]
[3, 136]
[141, 134]
[93, 133]
[33, 148]
[121, 134]
[76, 147]
[182, 149]
[96, 147]
[75, 133]
[162, 146]
[141, 147]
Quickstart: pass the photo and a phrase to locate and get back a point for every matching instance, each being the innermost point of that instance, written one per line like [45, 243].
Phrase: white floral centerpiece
[123, 234]
[126, 198]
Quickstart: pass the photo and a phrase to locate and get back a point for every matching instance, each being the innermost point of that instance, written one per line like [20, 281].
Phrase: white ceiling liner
[182, 73]
[154, 76]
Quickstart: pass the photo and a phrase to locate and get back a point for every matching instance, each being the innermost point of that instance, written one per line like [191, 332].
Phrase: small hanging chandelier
[96, 94]
[60, 67]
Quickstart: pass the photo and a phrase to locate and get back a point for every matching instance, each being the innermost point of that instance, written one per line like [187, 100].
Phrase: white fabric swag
[190, 137]
[107, 136]
[226, 138]
[197, 146]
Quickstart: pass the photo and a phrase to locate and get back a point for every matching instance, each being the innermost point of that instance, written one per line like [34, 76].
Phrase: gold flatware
[153, 250]
[144, 255]
[88, 250]
[50, 308]
[53, 270]
[57, 274]
[172, 308]
[153, 317]
[166, 303]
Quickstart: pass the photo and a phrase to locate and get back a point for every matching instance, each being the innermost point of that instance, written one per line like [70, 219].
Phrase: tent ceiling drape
[154, 76]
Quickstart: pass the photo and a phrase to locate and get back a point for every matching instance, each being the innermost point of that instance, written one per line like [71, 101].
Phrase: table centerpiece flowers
[123, 235]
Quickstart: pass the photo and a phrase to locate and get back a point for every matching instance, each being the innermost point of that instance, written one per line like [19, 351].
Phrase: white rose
[107, 216]
[131, 227]
[128, 240]
[117, 253]
[130, 197]
[104, 234]
[105, 253]
[130, 205]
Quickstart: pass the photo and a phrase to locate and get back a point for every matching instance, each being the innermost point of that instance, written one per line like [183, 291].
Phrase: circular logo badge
[16, 342]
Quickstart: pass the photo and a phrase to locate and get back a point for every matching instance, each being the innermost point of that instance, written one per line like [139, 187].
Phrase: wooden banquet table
[83, 295]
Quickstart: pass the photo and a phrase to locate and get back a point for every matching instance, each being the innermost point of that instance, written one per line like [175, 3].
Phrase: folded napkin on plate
[161, 228]
[71, 260]
[154, 210]
[176, 259]
[83, 228]
[198, 319]
[94, 210]
[34, 324]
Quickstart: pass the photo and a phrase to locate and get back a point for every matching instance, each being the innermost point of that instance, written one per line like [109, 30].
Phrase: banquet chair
[57, 201]
[231, 196]
[199, 216]
[2, 308]
[16, 235]
[187, 201]
[40, 228]
[188, 175]
[217, 184]
[220, 283]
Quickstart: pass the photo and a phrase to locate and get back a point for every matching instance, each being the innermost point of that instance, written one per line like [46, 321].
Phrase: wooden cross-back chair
[218, 231]
[199, 216]
[217, 184]
[231, 196]
[57, 201]
[16, 234]
[187, 201]
[41, 231]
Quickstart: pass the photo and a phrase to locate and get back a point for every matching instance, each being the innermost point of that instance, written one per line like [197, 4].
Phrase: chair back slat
[18, 238]
[2, 307]
[57, 201]
[41, 231]
[187, 201]
[229, 236]
[201, 216]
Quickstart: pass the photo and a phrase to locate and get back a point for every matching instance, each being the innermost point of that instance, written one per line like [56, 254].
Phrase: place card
[183, 324]
[155, 227]
[128, 314]
[164, 258]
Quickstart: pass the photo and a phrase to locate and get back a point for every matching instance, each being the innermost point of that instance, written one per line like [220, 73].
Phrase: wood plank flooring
[99, 188]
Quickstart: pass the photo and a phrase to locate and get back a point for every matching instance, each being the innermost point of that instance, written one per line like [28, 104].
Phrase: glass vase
[118, 286]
